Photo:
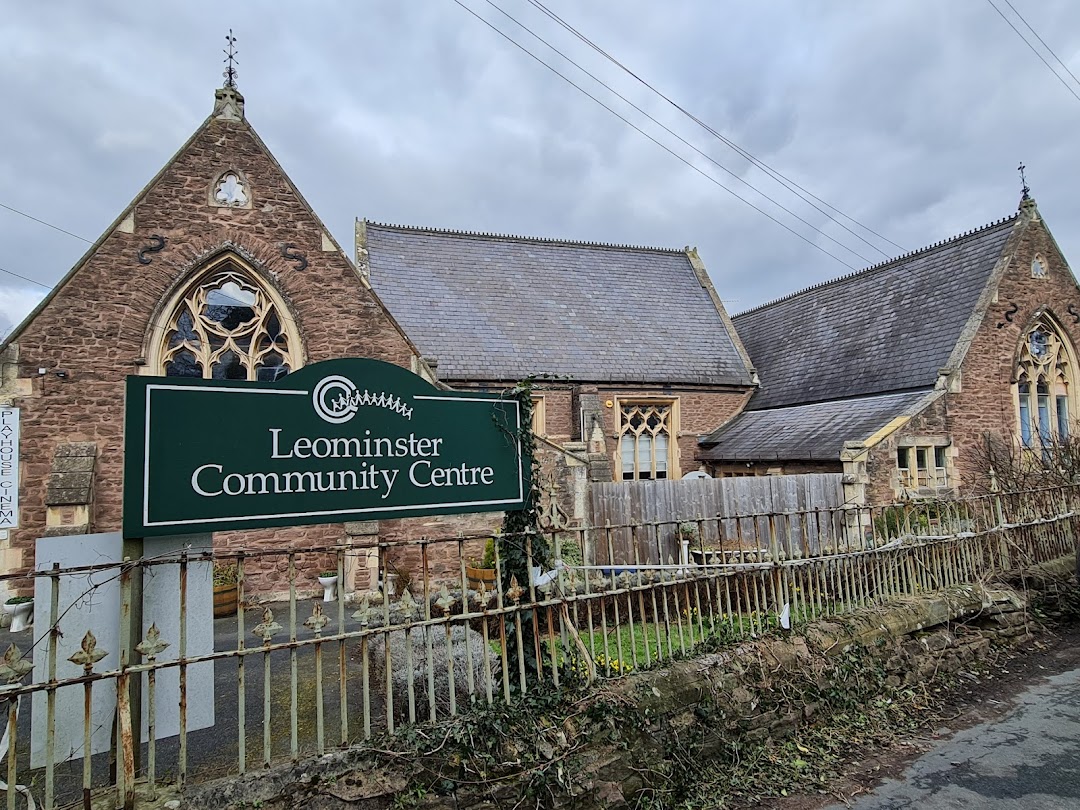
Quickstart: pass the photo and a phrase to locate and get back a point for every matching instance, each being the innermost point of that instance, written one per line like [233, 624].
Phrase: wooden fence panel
[644, 515]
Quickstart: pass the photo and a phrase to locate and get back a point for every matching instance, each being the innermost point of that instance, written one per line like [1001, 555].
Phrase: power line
[685, 142]
[1051, 50]
[25, 278]
[663, 146]
[84, 239]
[43, 222]
[792, 186]
[1034, 50]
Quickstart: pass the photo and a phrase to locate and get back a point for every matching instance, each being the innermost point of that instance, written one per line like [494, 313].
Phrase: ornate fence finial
[268, 627]
[317, 620]
[445, 601]
[152, 645]
[515, 591]
[13, 666]
[88, 654]
[483, 596]
[363, 611]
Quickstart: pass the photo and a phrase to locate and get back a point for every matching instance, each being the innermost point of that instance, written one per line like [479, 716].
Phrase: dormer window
[1038, 267]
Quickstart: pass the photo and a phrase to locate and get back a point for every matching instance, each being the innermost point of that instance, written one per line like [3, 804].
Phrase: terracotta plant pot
[224, 600]
[477, 576]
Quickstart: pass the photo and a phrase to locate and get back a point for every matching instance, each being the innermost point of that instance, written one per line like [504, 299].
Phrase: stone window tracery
[1043, 387]
[227, 327]
[646, 450]
[231, 190]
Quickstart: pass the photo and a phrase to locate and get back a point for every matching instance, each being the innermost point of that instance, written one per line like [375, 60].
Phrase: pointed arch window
[1044, 387]
[228, 326]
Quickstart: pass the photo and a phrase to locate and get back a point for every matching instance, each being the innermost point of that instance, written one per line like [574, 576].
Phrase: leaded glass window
[645, 447]
[227, 328]
[1043, 377]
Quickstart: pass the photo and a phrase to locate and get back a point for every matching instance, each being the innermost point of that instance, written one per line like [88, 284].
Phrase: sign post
[337, 441]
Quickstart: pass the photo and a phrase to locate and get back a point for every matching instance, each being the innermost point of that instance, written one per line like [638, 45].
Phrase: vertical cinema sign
[342, 440]
[9, 468]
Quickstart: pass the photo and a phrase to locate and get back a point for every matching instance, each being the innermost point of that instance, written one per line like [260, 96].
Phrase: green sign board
[340, 440]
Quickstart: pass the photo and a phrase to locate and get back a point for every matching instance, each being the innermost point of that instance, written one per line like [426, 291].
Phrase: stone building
[632, 347]
[633, 353]
[897, 375]
[218, 268]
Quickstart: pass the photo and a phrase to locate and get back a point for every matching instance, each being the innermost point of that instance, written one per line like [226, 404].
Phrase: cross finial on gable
[1025, 191]
[228, 103]
[230, 61]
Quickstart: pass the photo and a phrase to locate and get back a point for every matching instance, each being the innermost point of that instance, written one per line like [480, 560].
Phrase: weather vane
[1025, 192]
[230, 60]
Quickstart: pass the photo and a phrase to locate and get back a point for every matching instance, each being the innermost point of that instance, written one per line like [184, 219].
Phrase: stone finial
[228, 104]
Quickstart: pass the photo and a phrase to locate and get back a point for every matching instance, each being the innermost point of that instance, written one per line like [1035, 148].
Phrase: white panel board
[161, 606]
[88, 601]
[91, 601]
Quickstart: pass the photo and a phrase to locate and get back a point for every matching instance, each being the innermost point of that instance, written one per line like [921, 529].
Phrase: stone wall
[882, 474]
[986, 400]
[689, 709]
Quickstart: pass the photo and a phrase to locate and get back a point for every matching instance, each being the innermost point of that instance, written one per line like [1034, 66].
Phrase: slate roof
[493, 307]
[814, 432]
[888, 328]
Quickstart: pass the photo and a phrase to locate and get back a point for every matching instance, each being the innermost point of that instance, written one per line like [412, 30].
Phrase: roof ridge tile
[522, 238]
[879, 266]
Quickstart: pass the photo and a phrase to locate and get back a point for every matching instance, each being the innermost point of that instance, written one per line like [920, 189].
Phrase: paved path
[1029, 759]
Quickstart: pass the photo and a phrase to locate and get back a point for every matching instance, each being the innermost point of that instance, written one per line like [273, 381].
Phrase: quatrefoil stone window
[231, 191]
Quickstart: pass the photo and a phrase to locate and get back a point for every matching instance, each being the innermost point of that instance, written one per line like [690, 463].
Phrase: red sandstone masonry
[987, 402]
[98, 323]
[881, 462]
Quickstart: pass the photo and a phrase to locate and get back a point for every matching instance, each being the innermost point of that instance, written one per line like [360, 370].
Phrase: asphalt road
[1029, 758]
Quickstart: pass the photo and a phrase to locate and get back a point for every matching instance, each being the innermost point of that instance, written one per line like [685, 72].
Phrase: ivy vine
[521, 537]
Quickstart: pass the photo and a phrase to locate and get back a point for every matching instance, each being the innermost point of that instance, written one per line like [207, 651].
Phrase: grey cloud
[908, 116]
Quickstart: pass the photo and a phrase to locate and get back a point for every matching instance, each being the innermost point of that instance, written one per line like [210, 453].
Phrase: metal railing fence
[301, 676]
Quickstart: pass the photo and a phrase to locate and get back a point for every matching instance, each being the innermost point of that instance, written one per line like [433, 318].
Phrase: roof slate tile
[815, 432]
[501, 308]
[888, 328]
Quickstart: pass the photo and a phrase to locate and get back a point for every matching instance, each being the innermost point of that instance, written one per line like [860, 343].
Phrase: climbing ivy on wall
[521, 536]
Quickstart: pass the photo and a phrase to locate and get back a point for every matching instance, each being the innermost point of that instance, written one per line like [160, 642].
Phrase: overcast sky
[908, 115]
